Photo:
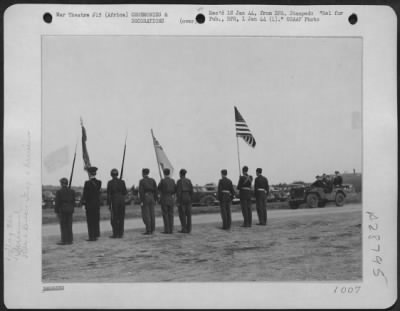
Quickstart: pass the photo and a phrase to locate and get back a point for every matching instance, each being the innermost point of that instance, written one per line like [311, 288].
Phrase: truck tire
[312, 200]
[339, 199]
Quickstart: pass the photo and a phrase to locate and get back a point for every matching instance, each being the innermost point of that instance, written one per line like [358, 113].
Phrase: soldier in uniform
[225, 196]
[148, 198]
[116, 191]
[318, 183]
[91, 200]
[337, 180]
[64, 208]
[244, 187]
[261, 190]
[167, 189]
[184, 193]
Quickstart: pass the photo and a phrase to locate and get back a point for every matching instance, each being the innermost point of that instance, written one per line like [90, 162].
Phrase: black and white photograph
[221, 163]
[214, 157]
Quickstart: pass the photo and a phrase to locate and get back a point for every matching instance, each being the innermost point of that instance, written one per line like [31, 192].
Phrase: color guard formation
[168, 193]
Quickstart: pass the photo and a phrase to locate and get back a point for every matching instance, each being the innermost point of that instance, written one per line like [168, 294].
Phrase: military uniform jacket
[147, 185]
[245, 182]
[167, 188]
[116, 189]
[224, 186]
[184, 185]
[91, 193]
[261, 182]
[338, 180]
[65, 201]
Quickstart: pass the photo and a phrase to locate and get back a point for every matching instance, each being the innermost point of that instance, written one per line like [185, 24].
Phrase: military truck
[316, 196]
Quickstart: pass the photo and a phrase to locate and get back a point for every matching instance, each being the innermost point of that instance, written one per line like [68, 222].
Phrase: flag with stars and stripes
[242, 130]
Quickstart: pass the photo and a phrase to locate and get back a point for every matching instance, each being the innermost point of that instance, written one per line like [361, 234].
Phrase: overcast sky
[299, 96]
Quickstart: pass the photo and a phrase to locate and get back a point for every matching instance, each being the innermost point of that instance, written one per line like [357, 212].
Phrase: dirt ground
[302, 248]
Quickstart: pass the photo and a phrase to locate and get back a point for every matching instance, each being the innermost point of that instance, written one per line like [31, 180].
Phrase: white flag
[161, 156]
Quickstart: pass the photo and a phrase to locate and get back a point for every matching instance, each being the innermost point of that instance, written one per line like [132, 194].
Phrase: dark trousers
[261, 206]
[148, 215]
[168, 217]
[93, 222]
[225, 206]
[245, 204]
[185, 212]
[118, 216]
[66, 227]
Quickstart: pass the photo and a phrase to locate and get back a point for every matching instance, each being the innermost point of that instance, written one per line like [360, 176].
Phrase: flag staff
[123, 157]
[238, 153]
[73, 166]
[158, 161]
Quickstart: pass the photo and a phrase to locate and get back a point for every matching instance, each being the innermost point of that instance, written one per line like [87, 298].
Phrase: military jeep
[316, 196]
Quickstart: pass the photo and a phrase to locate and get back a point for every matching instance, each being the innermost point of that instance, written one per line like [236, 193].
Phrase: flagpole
[158, 162]
[123, 157]
[237, 144]
[73, 166]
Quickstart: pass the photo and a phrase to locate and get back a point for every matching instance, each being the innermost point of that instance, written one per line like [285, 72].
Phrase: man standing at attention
[148, 198]
[244, 187]
[225, 196]
[64, 208]
[91, 200]
[116, 191]
[184, 193]
[167, 189]
[261, 190]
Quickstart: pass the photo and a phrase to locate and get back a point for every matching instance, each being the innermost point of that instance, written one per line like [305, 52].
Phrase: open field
[301, 246]
[133, 211]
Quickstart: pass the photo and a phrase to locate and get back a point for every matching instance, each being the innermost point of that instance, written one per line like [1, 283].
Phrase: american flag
[242, 130]
[85, 153]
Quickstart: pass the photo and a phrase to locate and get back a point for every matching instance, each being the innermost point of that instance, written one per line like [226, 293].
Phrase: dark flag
[242, 130]
[85, 153]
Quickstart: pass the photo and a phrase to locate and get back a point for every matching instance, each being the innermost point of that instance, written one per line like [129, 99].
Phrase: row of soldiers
[167, 193]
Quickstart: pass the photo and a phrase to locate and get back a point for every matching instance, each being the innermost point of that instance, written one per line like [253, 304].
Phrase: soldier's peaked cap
[64, 180]
[336, 172]
[224, 172]
[259, 170]
[245, 169]
[145, 171]
[182, 172]
[92, 169]
[166, 171]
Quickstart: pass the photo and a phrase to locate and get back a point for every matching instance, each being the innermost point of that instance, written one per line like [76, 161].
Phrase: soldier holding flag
[244, 187]
[148, 198]
[167, 189]
[91, 200]
[116, 191]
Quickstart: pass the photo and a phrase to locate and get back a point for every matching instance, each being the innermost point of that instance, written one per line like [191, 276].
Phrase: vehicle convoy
[315, 196]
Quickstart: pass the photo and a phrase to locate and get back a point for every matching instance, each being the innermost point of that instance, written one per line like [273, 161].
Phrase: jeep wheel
[312, 200]
[208, 200]
[339, 199]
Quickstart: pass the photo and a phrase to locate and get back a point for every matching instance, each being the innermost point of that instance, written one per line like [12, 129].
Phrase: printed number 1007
[347, 290]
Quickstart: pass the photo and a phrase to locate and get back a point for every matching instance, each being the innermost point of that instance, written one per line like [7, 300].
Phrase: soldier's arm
[231, 189]
[190, 188]
[84, 194]
[266, 185]
[124, 191]
[155, 190]
[141, 192]
[108, 193]
[219, 192]
[239, 185]
[57, 203]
